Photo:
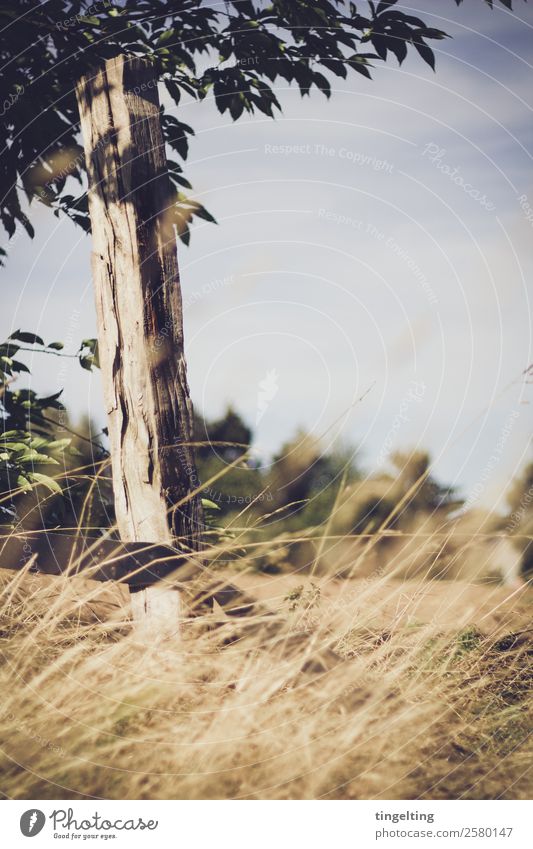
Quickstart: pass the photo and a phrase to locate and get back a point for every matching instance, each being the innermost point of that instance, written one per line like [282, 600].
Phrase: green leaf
[18, 366]
[399, 48]
[322, 83]
[51, 401]
[56, 346]
[45, 480]
[207, 504]
[13, 447]
[185, 236]
[59, 444]
[23, 483]
[202, 212]
[167, 36]
[88, 343]
[426, 53]
[236, 106]
[174, 90]
[28, 338]
[33, 456]
[359, 65]
[38, 442]
[87, 362]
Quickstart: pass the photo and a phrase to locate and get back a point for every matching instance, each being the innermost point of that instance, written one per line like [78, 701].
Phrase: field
[337, 688]
[266, 487]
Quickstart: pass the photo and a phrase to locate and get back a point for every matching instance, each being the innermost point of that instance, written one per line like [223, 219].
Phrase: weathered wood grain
[139, 308]
[139, 311]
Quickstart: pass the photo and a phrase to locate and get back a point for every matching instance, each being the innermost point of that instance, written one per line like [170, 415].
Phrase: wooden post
[139, 312]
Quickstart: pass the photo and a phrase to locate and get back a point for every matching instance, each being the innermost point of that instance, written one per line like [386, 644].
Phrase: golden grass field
[365, 688]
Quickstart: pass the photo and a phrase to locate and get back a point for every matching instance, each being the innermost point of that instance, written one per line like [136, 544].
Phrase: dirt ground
[451, 605]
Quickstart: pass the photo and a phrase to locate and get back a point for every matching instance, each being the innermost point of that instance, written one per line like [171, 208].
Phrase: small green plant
[467, 641]
[304, 598]
[30, 450]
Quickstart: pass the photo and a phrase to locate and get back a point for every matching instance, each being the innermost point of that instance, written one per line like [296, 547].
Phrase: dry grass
[360, 693]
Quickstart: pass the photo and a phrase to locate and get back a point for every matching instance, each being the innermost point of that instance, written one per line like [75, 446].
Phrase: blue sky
[376, 241]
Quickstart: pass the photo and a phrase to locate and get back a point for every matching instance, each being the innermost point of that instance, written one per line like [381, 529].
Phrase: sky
[369, 279]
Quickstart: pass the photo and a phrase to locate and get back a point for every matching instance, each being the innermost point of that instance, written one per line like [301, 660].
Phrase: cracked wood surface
[139, 308]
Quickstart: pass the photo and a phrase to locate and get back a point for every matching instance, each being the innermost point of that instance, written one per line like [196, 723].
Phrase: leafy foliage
[44, 47]
[305, 483]
[507, 3]
[220, 444]
[28, 442]
[88, 354]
